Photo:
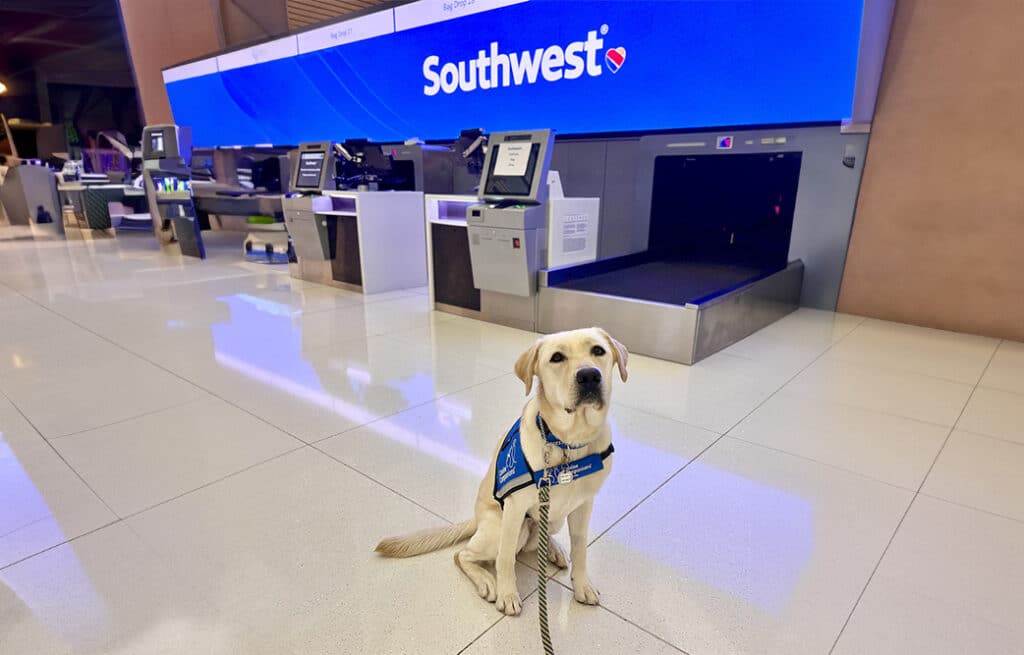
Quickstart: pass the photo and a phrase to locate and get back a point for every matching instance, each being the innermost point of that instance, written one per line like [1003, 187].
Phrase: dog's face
[574, 368]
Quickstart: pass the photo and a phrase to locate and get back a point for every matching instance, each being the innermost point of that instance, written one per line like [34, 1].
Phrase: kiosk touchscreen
[511, 170]
[168, 142]
[508, 229]
[314, 170]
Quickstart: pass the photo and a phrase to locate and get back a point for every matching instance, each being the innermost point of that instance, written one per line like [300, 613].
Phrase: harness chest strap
[513, 472]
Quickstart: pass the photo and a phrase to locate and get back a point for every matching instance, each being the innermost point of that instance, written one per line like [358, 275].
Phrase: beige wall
[162, 33]
[938, 238]
[252, 20]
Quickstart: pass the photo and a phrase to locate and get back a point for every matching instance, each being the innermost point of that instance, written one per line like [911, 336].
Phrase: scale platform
[672, 309]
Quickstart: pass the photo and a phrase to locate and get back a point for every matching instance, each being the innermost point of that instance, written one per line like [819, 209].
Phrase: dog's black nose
[588, 377]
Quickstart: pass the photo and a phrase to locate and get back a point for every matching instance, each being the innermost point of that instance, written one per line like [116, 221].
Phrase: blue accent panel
[687, 64]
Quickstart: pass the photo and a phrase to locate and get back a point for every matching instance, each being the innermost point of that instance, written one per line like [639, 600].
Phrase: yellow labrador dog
[563, 431]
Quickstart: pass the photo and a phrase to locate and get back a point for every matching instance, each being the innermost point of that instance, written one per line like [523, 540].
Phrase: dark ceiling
[63, 42]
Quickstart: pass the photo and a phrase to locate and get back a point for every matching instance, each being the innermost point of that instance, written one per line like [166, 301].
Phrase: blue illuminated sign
[578, 67]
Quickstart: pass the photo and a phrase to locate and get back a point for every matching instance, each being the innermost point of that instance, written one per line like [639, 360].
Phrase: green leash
[542, 567]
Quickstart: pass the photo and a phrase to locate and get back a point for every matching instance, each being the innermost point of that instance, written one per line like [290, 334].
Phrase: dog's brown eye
[597, 351]
[558, 357]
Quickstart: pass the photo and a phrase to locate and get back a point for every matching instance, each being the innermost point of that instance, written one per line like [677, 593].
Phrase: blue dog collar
[552, 439]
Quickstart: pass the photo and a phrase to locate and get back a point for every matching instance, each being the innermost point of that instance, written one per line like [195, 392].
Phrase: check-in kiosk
[507, 229]
[485, 266]
[313, 237]
[166, 171]
[361, 240]
[564, 230]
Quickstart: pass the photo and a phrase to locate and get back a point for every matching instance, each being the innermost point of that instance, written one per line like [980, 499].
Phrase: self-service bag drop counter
[368, 241]
[485, 251]
[716, 268]
[167, 177]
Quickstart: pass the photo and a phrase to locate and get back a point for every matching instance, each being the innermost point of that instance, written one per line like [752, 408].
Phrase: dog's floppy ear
[526, 365]
[619, 353]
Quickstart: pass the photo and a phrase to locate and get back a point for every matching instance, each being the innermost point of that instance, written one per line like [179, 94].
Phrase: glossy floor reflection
[198, 457]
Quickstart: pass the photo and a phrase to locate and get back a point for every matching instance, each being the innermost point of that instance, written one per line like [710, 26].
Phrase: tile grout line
[903, 371]
[623, 619]
[880, 412]
[59, 454]
[62, 543]
[910, 505]
[481, 635]
[975, 433]
[213, 482]
[126, 517]
[407, 409]
[834, 467]
[378, 482]
[953, 427]
[971, 507]
[782, 386]
[76, 433]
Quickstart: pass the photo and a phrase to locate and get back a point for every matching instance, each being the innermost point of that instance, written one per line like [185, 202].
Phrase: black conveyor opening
[717, 222]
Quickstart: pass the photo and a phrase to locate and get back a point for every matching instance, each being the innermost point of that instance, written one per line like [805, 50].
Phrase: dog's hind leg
[468, 560]
[486, 584]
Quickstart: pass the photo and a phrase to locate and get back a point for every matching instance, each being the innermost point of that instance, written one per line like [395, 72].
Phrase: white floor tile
[748, 550]
[797, 339]
[981, 472]
[575, 628]
[495, 345]
[947, 355]
[949, 584]
[881, 446]
[218, 572]
[995, 413]
[714, 394]
[43, 502]
[316, 393]
[147, 460]
[1006, 371]
[86, 397]
[898, 393]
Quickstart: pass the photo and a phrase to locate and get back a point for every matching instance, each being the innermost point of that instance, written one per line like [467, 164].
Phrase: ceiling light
[3, 88]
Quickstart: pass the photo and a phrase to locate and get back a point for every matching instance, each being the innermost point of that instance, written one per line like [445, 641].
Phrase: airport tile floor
[198, 457]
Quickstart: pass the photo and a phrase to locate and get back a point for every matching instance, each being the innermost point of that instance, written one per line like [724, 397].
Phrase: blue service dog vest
[512, 472]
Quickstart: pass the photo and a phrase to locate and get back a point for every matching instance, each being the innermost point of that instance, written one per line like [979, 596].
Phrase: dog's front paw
[509, 603]
[584, 592]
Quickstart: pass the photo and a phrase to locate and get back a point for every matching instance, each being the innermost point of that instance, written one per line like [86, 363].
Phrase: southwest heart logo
[614, 58]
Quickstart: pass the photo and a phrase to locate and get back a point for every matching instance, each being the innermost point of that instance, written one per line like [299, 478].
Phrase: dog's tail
[426, 541]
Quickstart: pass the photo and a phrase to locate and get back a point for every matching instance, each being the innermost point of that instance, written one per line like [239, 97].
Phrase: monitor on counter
[314, 167]
[311, 165]
[516, 166]
[166, 142]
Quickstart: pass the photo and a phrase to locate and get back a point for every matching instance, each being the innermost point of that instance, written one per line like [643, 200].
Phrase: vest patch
[512, 472]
